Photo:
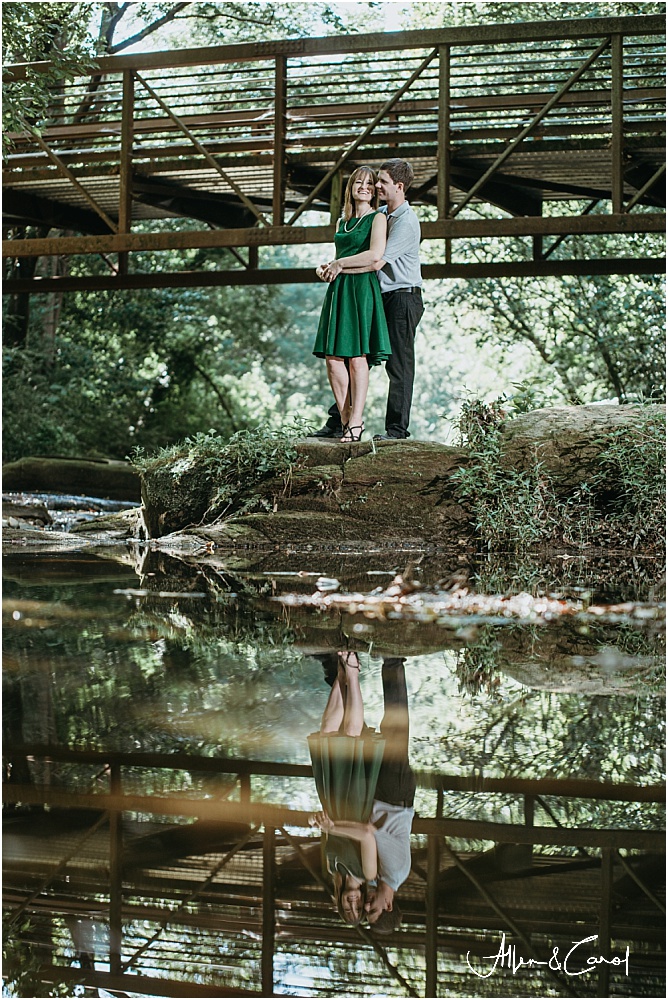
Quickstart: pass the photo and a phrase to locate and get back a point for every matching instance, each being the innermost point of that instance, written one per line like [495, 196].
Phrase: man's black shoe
[327, 432]
[387, 437]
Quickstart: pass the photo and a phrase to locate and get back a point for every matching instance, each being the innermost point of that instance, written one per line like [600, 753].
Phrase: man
[392, 812]
[401, 288]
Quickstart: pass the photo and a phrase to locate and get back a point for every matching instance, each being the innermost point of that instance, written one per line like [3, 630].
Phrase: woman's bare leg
[353, 716]
[339, 379]
[359, 386]
[332, 717]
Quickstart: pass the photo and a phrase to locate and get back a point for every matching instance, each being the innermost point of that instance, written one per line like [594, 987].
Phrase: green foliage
[599, 336]
[432, 13]
[515, 510]
[236, 467]
[33, 32]
[148, 368]
[21, 963]
[637, 464]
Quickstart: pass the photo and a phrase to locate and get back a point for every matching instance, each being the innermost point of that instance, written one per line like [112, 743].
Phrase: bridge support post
[268, 909]
[125, 176]
[443, 187]
[280, 121]
[617, 144]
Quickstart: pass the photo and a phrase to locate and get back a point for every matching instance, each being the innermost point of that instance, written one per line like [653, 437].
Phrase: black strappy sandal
[345, 659]
[349, 433]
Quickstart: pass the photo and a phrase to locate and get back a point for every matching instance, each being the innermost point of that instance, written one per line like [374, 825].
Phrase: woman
[352, 333]
[346, 757]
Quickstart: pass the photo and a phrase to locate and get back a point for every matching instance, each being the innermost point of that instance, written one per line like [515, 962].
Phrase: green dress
[352, 322]
[346, 770]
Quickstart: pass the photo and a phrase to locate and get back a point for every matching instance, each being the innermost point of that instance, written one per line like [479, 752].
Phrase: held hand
[321, 820]
[332, 270]
[321, 272]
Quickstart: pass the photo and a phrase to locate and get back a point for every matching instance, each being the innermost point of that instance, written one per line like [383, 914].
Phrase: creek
[168, 662]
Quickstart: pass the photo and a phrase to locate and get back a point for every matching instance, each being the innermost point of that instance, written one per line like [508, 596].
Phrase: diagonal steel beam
[70, 176]
[639, 882]
[202, 150]
[22, 907]
[189, 899]
[532, 124]
[646, 187]
[360, 138]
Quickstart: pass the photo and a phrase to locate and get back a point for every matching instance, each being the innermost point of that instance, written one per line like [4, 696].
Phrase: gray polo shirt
[402, 253]
[393, 842]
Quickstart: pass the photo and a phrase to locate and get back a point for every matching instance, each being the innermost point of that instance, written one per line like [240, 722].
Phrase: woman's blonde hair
[348, 203]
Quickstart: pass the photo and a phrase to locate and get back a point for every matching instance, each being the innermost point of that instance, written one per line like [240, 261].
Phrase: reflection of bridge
[557, 124]
[175, 910]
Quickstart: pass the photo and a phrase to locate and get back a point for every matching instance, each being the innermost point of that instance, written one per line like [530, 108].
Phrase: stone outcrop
[568, 440]
[105, 478]
[375, 492]
[337, 492]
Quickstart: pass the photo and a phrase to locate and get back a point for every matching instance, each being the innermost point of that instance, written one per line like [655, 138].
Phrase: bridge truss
[546, 133]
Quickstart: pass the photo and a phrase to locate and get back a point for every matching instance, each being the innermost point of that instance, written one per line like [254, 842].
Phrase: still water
[189, 689]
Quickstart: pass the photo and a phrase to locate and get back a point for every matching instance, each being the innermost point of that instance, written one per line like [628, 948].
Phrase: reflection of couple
[374, 302]
[367, 788]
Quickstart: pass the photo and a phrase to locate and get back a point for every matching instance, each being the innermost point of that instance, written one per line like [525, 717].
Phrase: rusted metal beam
[605, 922]
[573, 79]
[306, 275]
[646, 187]
[654, 222]
[443, 153]
[570, 787]
[125, 175]
[477, 35]
[431, 916]
[363, 135]
[268, 909]
[115, 876]
[281, 816]
[280, 129]
[617, 106]
[203, 151]
[73, 180]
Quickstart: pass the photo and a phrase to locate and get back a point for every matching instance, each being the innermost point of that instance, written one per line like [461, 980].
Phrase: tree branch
[221, 399]
[149, 29]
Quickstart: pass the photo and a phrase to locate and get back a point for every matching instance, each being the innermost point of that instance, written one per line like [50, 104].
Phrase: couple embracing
[374, 301]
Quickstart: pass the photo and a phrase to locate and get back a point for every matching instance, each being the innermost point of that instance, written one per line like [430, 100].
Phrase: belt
[411, 288]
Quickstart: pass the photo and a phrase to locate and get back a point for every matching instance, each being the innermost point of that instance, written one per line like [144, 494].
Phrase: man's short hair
[400, 171]
[389, 920]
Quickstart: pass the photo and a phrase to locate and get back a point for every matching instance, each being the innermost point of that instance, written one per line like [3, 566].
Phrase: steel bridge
[550, 132]
[247, 888]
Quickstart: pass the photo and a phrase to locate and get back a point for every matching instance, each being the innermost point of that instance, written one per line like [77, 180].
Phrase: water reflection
[533, 762]
[367, 789]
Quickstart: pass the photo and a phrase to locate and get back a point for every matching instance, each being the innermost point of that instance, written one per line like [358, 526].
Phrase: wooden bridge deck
[540, 130]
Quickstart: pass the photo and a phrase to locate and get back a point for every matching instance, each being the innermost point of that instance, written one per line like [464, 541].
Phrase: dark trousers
[403, 312]
[396, 781]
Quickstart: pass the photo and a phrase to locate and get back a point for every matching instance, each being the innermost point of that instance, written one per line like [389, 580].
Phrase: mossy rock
[568, 440]
[104, 478]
